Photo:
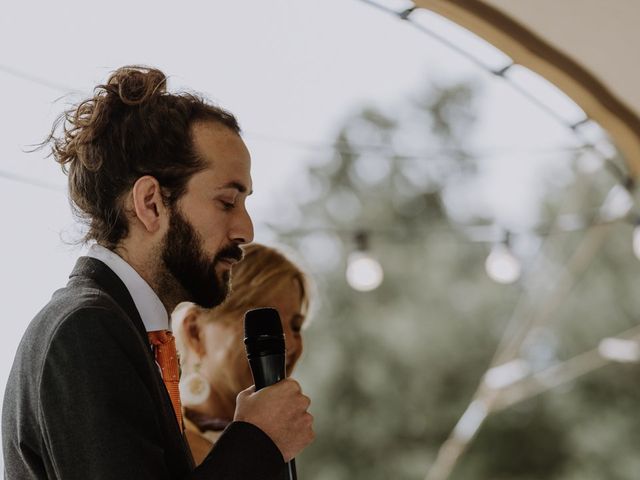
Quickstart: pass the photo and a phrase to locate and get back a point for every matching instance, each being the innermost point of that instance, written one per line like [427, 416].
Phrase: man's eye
[227, 205]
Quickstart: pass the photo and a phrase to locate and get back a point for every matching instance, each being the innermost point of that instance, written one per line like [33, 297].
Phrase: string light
[617, 204]
[364, 273]
[619, 350]
[636, 239]
[617, 208]
[501, 265]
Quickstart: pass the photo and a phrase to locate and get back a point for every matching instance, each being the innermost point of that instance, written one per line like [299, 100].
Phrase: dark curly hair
[131, 127]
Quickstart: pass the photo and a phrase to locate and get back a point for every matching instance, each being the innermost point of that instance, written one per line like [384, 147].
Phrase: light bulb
[502, 266]
[619, 350]
[636, 241]
[364, 273]
[590, 162]
[617, 204]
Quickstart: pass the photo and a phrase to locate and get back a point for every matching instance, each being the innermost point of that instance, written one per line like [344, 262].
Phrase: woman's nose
[293, 344]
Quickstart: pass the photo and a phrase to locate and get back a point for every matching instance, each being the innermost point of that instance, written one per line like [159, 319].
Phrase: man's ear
[148, 204]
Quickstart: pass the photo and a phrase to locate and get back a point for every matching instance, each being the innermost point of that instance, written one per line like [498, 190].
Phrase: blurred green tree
[391, 371]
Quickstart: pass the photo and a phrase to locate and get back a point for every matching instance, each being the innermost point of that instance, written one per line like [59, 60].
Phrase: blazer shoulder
[85, 312]
[78, 295]
[73, 312]
[67, 304]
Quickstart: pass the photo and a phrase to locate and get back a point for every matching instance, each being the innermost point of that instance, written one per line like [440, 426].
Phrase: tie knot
[160, 337]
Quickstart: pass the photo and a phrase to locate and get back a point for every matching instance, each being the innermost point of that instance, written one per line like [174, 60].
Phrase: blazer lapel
[111, 283]
[97, 271]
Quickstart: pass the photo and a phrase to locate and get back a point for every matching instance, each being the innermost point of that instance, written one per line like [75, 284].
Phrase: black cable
[38, 80]
[30, 181]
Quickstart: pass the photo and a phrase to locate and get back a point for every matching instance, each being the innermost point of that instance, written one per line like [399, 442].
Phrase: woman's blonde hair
[262, 270]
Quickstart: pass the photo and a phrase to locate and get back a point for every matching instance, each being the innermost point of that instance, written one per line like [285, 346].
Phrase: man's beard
[189, 266]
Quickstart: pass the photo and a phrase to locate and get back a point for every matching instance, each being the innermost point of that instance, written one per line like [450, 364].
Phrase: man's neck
[147, 264]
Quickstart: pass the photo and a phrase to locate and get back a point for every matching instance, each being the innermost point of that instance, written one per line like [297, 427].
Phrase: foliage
[391, 371]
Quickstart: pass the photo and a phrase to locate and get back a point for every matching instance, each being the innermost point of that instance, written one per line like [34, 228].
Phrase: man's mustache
[233, 252]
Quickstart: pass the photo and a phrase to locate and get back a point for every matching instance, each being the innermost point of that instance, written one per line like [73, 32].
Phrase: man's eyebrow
[238, 186]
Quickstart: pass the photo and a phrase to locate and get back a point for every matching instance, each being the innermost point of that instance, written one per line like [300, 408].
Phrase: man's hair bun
[135, 85]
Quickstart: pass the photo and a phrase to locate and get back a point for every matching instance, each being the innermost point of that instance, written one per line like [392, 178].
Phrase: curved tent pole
[530, 50]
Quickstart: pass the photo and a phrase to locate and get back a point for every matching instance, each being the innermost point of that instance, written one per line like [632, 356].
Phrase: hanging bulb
[364, 273]
[617, 204]
[619, 350]
[502, 266]
[589, 161]
[636, 241]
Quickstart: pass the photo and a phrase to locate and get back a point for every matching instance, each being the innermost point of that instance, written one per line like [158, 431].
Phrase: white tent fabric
[587, 48]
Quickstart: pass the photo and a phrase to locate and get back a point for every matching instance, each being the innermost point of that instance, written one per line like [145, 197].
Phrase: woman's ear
[191, 332]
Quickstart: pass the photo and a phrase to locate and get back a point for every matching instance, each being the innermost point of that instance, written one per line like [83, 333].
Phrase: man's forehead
[227, 157]
[214, 141]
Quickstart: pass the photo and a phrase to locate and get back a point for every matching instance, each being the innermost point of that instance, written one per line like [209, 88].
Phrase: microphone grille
[262, 321]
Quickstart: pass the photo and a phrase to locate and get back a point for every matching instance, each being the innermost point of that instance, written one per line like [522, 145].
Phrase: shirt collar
[151, 310]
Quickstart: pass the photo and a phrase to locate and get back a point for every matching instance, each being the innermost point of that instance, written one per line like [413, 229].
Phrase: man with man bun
[161, 181]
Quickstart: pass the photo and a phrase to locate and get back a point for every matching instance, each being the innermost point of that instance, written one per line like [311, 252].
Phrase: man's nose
[242, 230]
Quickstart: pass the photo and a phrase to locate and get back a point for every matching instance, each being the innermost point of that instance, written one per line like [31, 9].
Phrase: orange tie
[164, 345]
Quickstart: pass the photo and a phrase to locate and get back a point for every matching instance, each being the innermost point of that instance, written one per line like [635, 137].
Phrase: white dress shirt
[151, 310]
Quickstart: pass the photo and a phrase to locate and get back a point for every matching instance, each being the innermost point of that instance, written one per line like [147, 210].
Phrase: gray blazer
[85, 399]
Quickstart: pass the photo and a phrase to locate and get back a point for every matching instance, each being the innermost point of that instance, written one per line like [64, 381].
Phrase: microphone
[264, 342]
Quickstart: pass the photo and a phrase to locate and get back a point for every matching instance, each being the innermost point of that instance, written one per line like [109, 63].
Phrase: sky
[289, 70]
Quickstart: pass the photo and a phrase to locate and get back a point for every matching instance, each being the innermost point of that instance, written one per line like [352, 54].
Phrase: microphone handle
[267, 370]
[291, 470]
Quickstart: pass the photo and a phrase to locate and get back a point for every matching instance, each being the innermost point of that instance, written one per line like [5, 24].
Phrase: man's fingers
[246, 392]
[279, 410]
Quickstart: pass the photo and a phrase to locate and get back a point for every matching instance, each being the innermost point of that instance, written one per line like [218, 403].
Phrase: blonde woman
[210, 342]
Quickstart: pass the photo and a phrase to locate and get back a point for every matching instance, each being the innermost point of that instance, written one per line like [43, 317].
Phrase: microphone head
[263, 334]
[262, 321]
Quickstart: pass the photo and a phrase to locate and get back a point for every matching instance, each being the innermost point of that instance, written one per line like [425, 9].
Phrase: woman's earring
[194, 388]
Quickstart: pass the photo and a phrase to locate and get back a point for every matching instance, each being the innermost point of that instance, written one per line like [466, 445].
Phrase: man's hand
[280, 411]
